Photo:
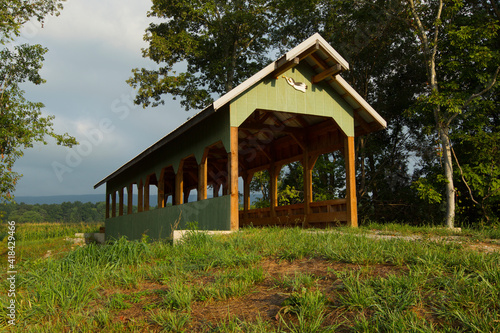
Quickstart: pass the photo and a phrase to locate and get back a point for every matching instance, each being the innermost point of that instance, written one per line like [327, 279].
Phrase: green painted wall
[319, 99]
[211, 214]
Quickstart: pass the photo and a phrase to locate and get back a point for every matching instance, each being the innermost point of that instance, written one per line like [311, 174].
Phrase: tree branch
[462, 174]
[479, 94]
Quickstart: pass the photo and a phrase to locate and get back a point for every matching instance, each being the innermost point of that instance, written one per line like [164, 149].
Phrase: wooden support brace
[247, 179]
[140, 195]
[113, 204]
[179, 184]
[130, 199]
[334, 70]
[283, 65]
[273, 188]
[146, 195]
[351, 202]
[107, 205]
[233, 178]
[202, 179]
[161, 193]
[120, 202]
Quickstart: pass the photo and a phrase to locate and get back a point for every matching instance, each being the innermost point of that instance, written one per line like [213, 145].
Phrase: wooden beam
[282, 65]
[179, 184]
[140, 197]
[216, 188]
[299, 142]
[146, 195]
[320, 62]
[130, 198]
[273, 188]
[161, 190]
[120, 202]
[282, 128]
[108, 196]
[326, 73]
[361, 121]
[113, 204]
[351, 202]
[307, 183]
[202, 178]
[233, 178]
[247, 179]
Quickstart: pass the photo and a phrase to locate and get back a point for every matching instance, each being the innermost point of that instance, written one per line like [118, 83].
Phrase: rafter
[334, 70]
[283, 65]
[361, 121]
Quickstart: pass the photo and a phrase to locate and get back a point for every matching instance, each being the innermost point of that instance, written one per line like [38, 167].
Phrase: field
[376, 278]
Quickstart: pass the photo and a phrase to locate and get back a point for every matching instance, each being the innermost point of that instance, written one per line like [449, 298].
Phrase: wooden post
[130, 199]
[273, 189]
[186, 195]
[120, 202]
[107, 204]
[179, 184]
[216, 190]
[113, 204]
[349, 155]
[306, 164]
[161, 191]
[247, 179]
[146, 194]
[233, 178]
[202, 178]
[140, 196]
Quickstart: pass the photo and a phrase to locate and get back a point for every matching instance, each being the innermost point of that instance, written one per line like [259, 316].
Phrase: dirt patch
[264, 300]
[484, 247]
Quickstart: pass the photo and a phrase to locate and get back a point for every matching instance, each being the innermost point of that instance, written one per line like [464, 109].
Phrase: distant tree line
[64, 212]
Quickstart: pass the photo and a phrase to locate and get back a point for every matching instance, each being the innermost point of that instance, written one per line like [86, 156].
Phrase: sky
[93, 46]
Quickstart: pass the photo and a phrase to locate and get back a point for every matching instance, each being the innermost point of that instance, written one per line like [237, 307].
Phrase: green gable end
[320, 99]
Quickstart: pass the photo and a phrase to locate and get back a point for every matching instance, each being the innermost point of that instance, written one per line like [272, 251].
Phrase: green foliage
[15, 13]
[72, 212]
[22, 123]
[221, 44]
[426, 190]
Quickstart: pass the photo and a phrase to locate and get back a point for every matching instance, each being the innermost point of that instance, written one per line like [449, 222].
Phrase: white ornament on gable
[300, 86]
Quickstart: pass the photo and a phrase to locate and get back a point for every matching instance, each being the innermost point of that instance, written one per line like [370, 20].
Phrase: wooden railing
[322, 213]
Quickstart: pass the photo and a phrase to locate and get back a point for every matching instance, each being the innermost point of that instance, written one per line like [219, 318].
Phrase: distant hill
[58, 199]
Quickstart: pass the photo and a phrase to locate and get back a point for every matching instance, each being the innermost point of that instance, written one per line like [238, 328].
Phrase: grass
[36, 240]
[263, 280]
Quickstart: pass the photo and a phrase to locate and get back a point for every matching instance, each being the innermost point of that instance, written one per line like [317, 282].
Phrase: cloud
[93, 45]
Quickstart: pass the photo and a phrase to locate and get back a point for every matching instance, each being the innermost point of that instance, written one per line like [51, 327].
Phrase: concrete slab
[179, 234]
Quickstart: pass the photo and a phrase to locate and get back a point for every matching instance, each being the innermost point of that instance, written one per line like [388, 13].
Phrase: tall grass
[430, 286]
[42, 231]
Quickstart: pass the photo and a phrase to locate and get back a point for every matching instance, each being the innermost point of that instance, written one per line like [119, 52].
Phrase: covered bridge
[295, 109]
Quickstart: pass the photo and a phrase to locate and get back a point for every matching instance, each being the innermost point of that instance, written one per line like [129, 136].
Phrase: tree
[460, 57]
[220, 44]
[22, 123]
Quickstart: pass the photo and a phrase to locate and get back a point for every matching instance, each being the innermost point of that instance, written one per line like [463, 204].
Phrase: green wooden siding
[276, 94]
[210, 214]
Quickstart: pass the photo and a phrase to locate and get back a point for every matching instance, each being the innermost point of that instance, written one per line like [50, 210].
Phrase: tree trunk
[448, 173]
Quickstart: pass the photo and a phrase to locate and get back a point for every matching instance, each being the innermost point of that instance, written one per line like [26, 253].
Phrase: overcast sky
[93, 46]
